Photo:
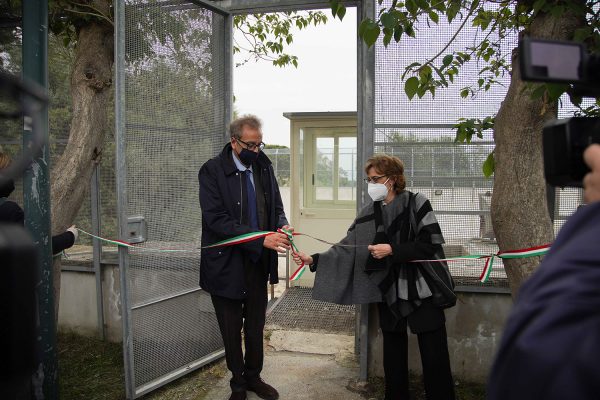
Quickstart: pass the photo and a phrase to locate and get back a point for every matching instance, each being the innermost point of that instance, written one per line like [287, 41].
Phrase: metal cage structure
[185, 47]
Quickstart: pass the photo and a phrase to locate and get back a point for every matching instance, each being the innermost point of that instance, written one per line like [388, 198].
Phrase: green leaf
[371, 34]
[341, 11]
[464, 93]
[411, 6]
[555, 90]
[447, 60]
[362, 28]
[442, 77]
[388, 20]
[489, 165]
[398, 33]
[411, 86]
[409, 68]
[433, 16]
[425, 72]
[334, 7]
[387, 37]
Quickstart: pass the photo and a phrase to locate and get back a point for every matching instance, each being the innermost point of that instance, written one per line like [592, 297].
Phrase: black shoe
[263, 390]
[238, 395]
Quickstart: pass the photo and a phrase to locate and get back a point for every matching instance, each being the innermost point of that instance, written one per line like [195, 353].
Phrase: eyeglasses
[374, 179]
[252, 146]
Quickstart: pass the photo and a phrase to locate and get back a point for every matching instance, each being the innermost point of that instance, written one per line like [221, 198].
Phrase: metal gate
[173, 101]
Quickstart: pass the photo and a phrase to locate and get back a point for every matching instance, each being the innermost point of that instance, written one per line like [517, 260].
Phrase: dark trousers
[433, 346]
[247, 314]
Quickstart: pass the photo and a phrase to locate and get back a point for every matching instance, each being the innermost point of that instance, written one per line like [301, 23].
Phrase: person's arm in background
[591, 182]
[64, 240]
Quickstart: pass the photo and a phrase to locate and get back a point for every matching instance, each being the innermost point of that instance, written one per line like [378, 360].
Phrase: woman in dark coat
[400, 226]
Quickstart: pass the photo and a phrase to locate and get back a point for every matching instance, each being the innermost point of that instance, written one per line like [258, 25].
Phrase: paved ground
[305, 366]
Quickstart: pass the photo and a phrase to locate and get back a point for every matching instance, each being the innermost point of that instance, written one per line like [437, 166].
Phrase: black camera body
[564, 141]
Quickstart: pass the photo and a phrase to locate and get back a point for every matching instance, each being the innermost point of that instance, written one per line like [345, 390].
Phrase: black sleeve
[313, 266]
[62, 241]
[12, 212]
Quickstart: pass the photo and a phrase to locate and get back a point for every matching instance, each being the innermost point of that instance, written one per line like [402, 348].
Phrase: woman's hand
[301, 257]
[380, 250]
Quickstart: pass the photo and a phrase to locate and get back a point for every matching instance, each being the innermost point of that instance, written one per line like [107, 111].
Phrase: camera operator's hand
[591, 182]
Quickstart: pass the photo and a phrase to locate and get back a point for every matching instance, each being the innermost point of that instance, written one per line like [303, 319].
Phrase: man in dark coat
[551, 342]
[239, 195]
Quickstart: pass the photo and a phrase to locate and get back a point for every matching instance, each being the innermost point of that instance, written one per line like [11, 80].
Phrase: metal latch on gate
[136, 229]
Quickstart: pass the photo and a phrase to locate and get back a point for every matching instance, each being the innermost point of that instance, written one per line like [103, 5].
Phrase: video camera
[565, 140]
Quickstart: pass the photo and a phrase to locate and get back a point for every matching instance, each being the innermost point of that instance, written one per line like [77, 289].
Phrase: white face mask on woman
[378, 191]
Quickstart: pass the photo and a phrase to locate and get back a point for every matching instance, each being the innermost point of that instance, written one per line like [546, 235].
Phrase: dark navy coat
[551, 344]
[222, 199]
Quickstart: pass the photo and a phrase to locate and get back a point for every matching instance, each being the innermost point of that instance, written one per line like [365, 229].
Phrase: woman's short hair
[390, 166]
[237, 125]
[4, 160]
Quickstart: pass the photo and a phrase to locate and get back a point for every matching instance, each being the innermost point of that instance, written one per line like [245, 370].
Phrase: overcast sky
[325, 79]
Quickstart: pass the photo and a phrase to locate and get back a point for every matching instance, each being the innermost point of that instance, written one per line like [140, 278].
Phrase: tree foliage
[265, 36]
[495, 20]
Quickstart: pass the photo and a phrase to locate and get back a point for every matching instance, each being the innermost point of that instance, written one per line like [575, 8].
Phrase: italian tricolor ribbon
[485, 274]
[536, 251]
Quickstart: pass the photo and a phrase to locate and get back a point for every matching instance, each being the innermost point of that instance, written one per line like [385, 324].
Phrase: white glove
[74, 231]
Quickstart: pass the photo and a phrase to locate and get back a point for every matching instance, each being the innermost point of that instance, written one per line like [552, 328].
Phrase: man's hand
[591, 182]
[380, 250]
[288, 228]
[277, 241]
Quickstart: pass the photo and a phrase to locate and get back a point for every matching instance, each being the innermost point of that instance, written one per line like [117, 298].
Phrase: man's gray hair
[236, 126]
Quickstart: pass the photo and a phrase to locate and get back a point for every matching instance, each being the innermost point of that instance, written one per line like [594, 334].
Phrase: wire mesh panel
[420, 132]
[173, 111]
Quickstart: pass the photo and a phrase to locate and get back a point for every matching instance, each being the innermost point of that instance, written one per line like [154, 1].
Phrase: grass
[89, 368]
[93, 370]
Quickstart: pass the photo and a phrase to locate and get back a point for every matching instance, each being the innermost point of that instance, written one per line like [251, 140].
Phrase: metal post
[36, 199]
[366, 121]
[121, 173]
[97, 247]
[551, 201]
[287, 269]
[228, 75]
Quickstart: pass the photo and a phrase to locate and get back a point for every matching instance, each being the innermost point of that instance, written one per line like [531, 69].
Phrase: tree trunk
[519, 207]
[91, 82]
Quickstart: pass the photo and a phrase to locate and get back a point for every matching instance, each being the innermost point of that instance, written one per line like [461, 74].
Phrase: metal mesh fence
[174, 82]
[281, 164]
[420, 133]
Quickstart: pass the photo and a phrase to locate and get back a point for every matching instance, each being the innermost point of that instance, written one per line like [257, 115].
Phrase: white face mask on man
[378, 191]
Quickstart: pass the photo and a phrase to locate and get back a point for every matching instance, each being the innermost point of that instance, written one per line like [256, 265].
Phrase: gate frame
[365, 108]
[365, 122]
[131, 391]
